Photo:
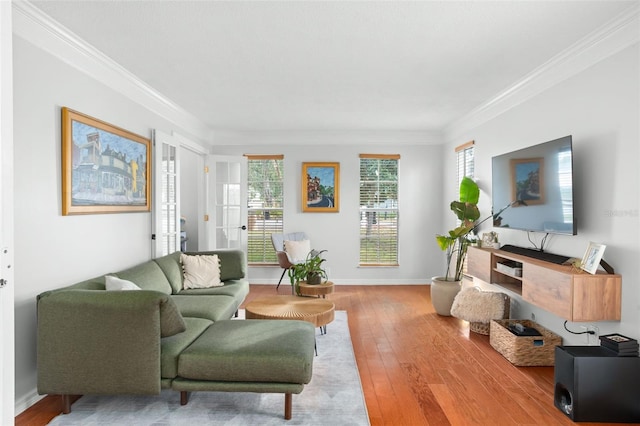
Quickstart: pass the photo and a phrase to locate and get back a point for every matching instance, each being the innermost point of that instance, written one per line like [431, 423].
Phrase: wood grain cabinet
[560, 289]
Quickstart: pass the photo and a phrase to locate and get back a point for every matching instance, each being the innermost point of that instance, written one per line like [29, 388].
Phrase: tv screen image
[537, 182]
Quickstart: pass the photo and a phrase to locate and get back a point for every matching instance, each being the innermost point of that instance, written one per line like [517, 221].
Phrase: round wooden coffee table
[306, 289]
[319, 312]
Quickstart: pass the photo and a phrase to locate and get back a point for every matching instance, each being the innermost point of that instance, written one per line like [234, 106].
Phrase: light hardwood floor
[418, 368]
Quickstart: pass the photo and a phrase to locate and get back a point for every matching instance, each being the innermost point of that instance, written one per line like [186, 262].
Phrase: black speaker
[593, 384]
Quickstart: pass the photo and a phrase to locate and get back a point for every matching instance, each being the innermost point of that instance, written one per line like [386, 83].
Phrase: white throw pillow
[297, 250]
[114, 283]
[200, 271]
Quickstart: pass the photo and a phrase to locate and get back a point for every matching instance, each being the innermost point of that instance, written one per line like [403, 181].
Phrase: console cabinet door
[596, 298]
[479, 264]
[548, 289]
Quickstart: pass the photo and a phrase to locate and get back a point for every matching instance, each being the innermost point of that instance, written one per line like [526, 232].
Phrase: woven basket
[480, 327]
[524, 351]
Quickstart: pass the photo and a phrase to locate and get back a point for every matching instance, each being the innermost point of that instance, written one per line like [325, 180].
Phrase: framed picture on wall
[527, 180]
[320, 187]
[105, 169]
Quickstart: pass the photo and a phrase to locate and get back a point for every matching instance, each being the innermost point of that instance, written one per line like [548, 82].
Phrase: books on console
[622, 345]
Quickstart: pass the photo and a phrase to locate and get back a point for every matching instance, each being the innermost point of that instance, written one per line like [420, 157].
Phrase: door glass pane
[235, 174]
[222, 172]
[233, 194]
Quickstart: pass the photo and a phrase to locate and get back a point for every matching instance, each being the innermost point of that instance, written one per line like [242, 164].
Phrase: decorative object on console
[621, 345]
[320, 187]
[592, 257]
[105, 169]
[490, 240]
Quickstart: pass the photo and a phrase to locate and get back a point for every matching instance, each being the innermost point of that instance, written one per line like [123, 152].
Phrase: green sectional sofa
[161, 336]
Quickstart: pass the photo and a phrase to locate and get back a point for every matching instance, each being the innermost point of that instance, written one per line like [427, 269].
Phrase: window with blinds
[379, 210]
[465, 160]
[265, 212]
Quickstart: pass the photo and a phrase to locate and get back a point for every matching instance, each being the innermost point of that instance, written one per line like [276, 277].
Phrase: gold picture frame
[527, 181]
[105, 169]
[320, 187]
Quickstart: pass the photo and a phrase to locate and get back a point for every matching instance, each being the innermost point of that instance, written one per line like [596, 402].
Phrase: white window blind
[465, 161]
[465, 167]
[379, 211]
[265, 210]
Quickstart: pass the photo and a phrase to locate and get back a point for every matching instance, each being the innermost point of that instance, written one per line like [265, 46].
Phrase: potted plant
[455, 244]
[311, 270]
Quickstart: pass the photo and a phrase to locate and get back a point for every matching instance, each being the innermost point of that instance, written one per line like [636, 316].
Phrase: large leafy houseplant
[311, 270]
[457, 241]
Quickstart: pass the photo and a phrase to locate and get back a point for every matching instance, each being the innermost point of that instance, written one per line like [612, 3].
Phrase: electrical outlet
[592, 332]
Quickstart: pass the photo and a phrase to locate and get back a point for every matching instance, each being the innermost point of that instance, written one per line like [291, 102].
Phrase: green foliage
[304, 270]
[457, 240]
[265, 181]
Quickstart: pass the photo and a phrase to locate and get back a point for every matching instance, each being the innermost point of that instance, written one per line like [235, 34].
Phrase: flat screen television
[537, 184]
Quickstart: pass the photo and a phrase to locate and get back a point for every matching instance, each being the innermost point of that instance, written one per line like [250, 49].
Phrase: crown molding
[618, 34]
[35, 26]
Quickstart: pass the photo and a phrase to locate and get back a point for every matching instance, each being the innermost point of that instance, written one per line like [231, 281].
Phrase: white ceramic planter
[442, 294]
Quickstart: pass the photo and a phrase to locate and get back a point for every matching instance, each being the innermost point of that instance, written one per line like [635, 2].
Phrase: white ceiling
[331, 65]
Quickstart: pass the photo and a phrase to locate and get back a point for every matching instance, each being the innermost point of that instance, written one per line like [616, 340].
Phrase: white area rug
[334, 397]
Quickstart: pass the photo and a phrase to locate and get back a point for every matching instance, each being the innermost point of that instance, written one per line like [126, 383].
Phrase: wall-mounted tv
[537, 183]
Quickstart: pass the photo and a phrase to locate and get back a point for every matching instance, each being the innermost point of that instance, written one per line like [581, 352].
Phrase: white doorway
[166, 195]
[227, 202]
[192, 199]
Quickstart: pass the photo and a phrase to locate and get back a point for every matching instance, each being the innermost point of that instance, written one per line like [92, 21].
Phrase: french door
[227, 202]
[166, 195]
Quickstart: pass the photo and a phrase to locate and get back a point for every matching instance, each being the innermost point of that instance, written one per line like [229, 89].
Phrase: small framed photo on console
[592, 257]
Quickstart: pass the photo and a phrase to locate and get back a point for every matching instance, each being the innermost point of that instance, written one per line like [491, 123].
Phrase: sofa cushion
[172, 346]
[235, 288]
[251, 351]
[200, 271]
[172, 268]
[171, 321]
[112, 283]
[214, 307]
[147, 276]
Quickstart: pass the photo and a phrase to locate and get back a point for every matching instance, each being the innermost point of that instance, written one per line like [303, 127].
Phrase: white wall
[600, 107]
[420, 210]
[52, 250]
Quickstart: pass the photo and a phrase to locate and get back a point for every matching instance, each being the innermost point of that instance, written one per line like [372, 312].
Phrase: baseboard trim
[27, 401]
